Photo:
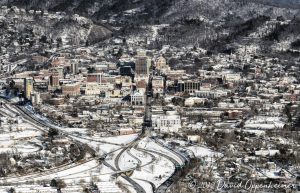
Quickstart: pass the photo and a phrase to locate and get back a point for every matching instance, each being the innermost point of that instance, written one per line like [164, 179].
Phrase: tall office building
[54, 81]
[28, 87]
[58, 71]
[71, 89]
[9, 68]
[36, 98]
[74, 68]
[142, 64]
[95, 77]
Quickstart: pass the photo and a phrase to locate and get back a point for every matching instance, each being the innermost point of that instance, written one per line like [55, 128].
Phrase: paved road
[164, 187]
[183, 159]
[117, 159]
[147, 118]
[44, 126]
[176, 174]
[134, 157]
[136, 186]
[25, 113]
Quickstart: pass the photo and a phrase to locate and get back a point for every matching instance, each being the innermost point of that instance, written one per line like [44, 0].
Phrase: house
[126, 131]
[233, 78]
[194, 138]
[189, 102]
[210, 94]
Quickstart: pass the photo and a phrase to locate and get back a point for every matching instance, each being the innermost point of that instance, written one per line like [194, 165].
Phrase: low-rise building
[169, 122]
[138, 98]
[158, 85]
[210, 94]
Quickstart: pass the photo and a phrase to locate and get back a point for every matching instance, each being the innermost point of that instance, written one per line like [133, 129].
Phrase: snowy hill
[220, 22]
[47, 27]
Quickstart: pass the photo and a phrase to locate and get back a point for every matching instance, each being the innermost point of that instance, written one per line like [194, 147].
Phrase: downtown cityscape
[157, 96]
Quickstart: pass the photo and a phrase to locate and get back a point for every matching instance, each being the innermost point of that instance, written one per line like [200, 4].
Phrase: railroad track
[41, 126]
[137, 187]
[24, 178]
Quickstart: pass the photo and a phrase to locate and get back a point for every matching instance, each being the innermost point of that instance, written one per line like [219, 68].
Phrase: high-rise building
[36, 98]
[95, 77]
[9, 68]
[58, 71]
[28, 87]
[142, 64]
[74, 68]
[71, 89]
[54, 81]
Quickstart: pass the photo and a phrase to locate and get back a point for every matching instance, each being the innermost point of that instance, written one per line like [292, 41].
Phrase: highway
[147, 125]
[44, 126]
[176, 174]
[147, 119]
[36, 124]
[166, 185]
[33, 120]
[137, 187]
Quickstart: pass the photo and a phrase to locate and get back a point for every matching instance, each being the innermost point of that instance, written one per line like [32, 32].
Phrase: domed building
[161, 64]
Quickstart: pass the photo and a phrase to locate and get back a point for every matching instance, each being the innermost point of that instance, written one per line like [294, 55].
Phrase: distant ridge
[292, 4]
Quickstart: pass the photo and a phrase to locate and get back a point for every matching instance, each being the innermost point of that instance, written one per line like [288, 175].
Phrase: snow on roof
[204, 152]
[266, 152]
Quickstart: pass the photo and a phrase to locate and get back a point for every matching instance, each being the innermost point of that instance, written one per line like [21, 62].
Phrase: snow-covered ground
[122, 139]
[152, 168]
[21, 148]
[98, 146]
[157, 172]
[17, 135]
[145, 158]
[83, 132]
[126, 161]
[71, 174]
[155, 169]
[156, 28]
[91, 172]
[29, 189]
[146, 185]
[107, 186]
[48, 175]
[128, 186]
[103, 145]
[261, 122]
[149, 144]
[204, 152]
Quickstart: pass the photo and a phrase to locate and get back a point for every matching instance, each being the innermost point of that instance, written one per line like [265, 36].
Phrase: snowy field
[204, 152]
[149, 144]
[157, 172]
